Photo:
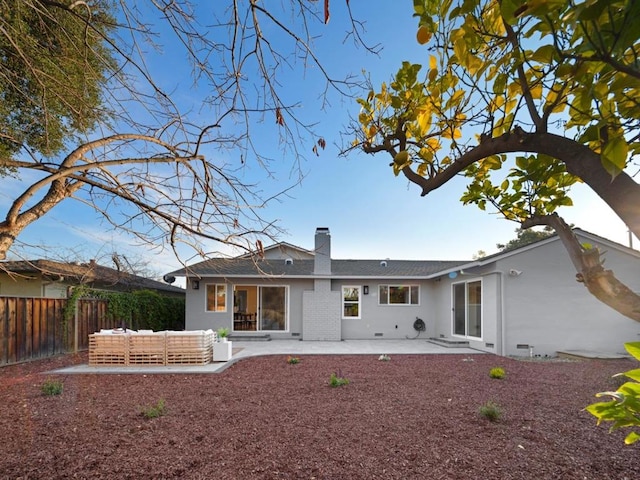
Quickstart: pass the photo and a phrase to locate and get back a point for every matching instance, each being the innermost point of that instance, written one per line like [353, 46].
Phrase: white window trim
[215, 296]
[466, 306]
[405, 285]
[359, 302]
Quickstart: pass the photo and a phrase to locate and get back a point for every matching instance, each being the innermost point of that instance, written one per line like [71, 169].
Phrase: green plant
[292, 360]
[51, 387]
[223, 332]
[491, 411]
[337, 380]
[623, 410]
[154, 411]
[497, 372]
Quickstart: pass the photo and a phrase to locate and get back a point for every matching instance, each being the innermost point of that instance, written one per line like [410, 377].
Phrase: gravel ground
[413, 417]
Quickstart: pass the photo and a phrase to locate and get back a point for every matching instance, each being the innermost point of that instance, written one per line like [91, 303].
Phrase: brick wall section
[322, 254]
[321, 312]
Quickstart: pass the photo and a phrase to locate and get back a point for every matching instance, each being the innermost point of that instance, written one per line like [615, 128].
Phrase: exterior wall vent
[288, 261]
[295, 334]
[522, 346]
[489, 345]
[383, 263]
[378, 334]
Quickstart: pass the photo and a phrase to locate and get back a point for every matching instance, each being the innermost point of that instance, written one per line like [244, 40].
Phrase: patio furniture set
[146, 347]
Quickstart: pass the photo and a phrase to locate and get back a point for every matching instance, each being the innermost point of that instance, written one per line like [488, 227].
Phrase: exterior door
[273, 309]
[467, 309]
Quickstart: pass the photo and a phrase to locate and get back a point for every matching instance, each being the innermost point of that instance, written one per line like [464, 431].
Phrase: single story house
[51, 279]
[518, 303]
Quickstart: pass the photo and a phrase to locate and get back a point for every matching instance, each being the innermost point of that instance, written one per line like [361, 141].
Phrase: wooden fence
[33, 328]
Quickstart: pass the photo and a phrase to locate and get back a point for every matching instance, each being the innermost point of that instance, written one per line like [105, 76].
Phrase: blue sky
[370, 213]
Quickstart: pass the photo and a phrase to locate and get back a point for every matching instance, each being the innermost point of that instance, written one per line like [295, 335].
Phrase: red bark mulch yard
[414, 417]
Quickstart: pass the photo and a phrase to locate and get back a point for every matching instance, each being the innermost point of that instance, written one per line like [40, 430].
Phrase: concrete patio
[285, 347]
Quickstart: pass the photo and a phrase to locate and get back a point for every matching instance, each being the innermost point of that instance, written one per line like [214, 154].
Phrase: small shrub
[622, 408]
[497, 372]
[223, 332]
[154, 411]
[338, 380]
[292, 360]
[491, 411]
[384, 358]
[51, 387]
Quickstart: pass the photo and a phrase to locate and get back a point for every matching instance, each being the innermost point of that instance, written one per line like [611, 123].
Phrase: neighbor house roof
[91, 274]
[247, 267]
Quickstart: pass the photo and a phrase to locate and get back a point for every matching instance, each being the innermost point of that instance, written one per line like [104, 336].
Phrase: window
[399, 295]
[216, 298]
[350, 302]
[467, 309]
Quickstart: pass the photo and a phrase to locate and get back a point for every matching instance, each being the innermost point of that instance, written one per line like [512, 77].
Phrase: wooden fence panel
[92, 316]
[33, 328]
[13, 338]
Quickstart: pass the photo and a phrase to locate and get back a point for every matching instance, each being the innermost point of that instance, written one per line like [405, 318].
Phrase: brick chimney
[322, 259]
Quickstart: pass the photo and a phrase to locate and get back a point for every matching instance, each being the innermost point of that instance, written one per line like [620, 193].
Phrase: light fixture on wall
[195, 284]
[365, 289]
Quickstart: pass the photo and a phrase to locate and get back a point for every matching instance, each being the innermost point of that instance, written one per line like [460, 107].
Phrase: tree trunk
[6, 241]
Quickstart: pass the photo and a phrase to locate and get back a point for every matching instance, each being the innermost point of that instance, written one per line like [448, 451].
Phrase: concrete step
[247, 337]
[449, 342]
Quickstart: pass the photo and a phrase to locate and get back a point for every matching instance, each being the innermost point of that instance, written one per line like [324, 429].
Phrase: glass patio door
[272, 314]
[467, 309]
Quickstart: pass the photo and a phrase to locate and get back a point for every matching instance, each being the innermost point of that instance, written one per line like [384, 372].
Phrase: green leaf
[634, 349]
[633, 374]
[508, 9]
[544, 54]
[631, 438]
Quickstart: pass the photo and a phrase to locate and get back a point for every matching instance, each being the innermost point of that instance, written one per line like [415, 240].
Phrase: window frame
[389, 286]
[357, 303]
[216, 287]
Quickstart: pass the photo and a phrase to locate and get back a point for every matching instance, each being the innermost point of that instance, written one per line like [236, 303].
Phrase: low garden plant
[154, 411]
[52, 387]
[491, 411]
[497, 372]
[337, 380]
[384, 358]
[292, 360]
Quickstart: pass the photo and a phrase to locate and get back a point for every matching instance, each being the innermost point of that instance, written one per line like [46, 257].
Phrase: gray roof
[247, 267]
[258, 268]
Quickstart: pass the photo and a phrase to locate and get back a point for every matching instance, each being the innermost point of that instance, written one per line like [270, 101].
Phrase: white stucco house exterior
[518, 303]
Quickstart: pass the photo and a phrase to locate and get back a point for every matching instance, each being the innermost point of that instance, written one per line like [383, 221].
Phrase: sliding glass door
[260, 308]
[467, 309]
[273, 308]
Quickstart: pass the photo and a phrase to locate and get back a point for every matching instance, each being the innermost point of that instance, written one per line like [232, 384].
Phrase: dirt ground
[413, 417]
